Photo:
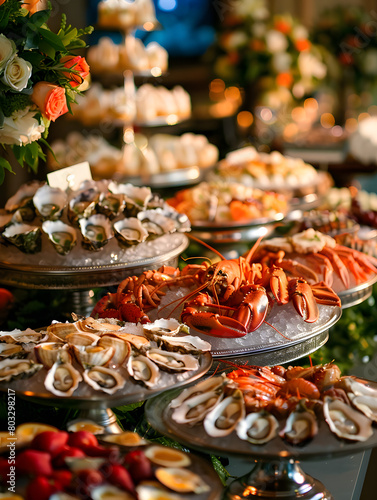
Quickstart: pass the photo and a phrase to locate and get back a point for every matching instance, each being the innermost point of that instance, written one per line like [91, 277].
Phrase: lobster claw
[303, 299]
[279, 285]
[323, 294]
[253, 309]
[213, 324]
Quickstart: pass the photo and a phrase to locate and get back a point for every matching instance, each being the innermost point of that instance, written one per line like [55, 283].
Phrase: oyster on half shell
[96, 232]
[27, 238]
[104, 379]
[345, 421]
[12, 369]
[173, 361]
[300, 426]
[258, 428]
[62, 379]
[130, 231]
[156, 223]
[48, 353]
[82, 205]
[49, 202]
[164, 327]
[62, 236]
[143, 370]
[224, 417]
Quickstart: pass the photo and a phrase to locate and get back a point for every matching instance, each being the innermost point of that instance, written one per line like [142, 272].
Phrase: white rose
[281, 62]
[7, 50]
[17, 73]
[21, 128]
[310, 66]
[300, 33]
[276, 41]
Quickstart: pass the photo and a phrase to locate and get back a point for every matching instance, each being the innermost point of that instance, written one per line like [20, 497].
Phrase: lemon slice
[27, 432]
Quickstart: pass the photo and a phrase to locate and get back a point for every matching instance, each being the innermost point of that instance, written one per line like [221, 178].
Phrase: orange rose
[284, 80]
[303, 44]
[34, 5]
[1, 2]
[50, 99]
[77, 63]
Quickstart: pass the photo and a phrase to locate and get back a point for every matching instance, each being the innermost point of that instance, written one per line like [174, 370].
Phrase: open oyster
[156, 223]
[48, 353]
[96, 232]
[62, 236]
[122, 348]
[93, 355]
[49, 202]
[104, 379]
[11, 351]
[135, 198]
[258, 428]
[208, 385]
[62, 379]
[301, 425]
[21, 336]
[166, 456]
[106, 492]
[83, 204]
[130, 231]
[27, 238]
[12, 369]
[345, 421]
[186, 344]
[195, 408]
[23, 196]
[143, 370]
[164, 327]
[224, 417]
[181, 221]
[181, 480]
[110, 204]
[173, 361]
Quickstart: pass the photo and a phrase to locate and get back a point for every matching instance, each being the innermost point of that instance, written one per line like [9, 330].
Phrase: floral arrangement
[40, 74]
[349, 34]
[267, 53]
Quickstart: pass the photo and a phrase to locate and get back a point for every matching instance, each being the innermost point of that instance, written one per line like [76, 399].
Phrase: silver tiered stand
[276, 472]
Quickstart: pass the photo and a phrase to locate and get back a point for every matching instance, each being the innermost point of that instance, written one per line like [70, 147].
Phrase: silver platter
[87, 398]
[83, 277]
[325, 444]
[179, 177]
[357, 294]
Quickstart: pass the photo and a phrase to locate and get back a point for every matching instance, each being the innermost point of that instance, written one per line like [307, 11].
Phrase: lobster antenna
[206, 245]
[253, 248]
[185, 259]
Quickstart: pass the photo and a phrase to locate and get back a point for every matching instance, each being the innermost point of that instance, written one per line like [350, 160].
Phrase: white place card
[70, 177]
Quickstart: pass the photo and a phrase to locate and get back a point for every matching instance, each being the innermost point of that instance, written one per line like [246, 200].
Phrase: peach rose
[1, 2]
[76, 63]
[34, 5]
[50, 99]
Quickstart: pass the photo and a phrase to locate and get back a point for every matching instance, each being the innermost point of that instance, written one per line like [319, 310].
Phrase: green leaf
[220, 469]
[69, 36]
[46, 48]
[32, 155]
[51, 38]
[40, 17]
[4, 165]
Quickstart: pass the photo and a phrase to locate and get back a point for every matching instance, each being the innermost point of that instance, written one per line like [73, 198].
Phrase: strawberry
[112, 453]
[86, 480]
[34, 462]
[119, 476]
[41, 488]
[81, 439]
[63, 477]
[68, 451]
[138, 465]
[52, 442]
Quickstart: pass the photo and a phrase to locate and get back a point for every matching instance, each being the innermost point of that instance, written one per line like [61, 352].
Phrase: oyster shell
[49, 202]
[107, 492]
[181, 480]
[187, 344]
[173, 361]
[104, 379]
[137, 341]
[62, 379]
[11, 351]
[20, 337]
[126, 438]
[135, 198]
[82, 338]
[156, 223]
[12, 369]
[357, 387]
[164, 327]
[345, 421]
[110, 204]
[61, 330]
[181, 221]
[155, 491]
[224, 417]
[83, 204]
[62, 236]
[165, 456]
[204, 386]
[96, 232]
[365, 404]
[27, 238]
[5, 219]
[80, 424]
[195, 408]
[258, 428]
[130, 231]
[48, 353]
[93, 355]
[23, 195]
[122, 348]
[143, 370]
[300, 426]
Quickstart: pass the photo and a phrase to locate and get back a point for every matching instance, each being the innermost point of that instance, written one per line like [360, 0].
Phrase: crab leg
[323, 294]
[338, 265]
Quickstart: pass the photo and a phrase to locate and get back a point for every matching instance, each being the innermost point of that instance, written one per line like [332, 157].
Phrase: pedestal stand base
[277, 479]
[102, 416]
